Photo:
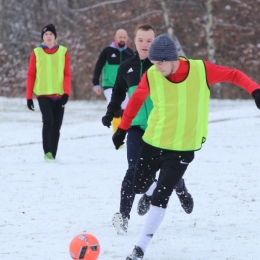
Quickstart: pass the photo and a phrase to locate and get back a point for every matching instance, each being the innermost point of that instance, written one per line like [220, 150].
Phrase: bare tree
[217, 30]
[216, 89]
[170, 27]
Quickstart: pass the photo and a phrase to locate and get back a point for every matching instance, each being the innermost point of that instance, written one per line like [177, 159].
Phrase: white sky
[45, 205]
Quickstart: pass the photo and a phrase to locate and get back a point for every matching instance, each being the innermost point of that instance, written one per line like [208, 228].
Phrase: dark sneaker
[120, 223]
[186, 200]
[137, 254]
[144, 205]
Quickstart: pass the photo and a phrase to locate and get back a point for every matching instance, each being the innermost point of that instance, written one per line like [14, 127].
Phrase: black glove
[30, 104]
[107, 119]
[119, 137]
[64, 99]
[256, 96]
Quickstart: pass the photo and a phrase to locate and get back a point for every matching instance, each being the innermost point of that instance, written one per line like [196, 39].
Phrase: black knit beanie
[49, 27]
[163, 48]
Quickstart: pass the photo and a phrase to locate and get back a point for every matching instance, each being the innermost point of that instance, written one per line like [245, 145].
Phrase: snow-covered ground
[45, 205]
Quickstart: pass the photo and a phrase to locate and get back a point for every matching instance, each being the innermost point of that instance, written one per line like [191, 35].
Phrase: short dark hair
[144, 27]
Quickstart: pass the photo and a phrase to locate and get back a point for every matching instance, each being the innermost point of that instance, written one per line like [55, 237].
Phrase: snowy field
[44, 205]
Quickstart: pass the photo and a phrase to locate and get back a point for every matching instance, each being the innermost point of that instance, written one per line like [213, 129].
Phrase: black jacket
[112, 56]
[129, 75]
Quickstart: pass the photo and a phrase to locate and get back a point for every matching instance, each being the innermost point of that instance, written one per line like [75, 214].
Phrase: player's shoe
[48, 156]
[137, 254]
[120, 223]
[186, 200]
[144, 205]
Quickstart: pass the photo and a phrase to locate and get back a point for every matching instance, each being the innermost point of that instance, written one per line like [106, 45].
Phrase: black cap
[49, 27]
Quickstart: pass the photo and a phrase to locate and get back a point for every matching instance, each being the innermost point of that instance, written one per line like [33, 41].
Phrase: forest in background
[224, 32]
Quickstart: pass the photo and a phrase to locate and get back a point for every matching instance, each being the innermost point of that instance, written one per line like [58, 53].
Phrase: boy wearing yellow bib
[49, 78]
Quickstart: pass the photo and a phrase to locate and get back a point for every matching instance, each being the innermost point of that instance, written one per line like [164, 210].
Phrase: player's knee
[48, 122]
[141, 188]
[137, 190]
[129, 178]
[127, 183]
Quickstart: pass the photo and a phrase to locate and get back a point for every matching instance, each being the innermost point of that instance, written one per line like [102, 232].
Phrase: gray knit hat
[163, 48]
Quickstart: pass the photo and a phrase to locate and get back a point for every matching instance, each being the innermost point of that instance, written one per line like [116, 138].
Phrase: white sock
[153, 220]
[151, 189]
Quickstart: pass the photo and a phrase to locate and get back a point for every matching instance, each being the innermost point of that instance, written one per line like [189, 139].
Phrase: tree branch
[140, 16]
[97, 5]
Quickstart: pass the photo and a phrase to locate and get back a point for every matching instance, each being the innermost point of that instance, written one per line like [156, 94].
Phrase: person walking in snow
[177, 125]
[49, 78]
[107, 64]
[128, 77]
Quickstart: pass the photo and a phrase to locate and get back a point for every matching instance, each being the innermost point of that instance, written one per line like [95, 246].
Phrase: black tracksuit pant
[172, 166]
[133, 143]
[52, 116]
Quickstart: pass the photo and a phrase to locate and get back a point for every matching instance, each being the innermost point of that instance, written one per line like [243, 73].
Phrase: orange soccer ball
[84, 246]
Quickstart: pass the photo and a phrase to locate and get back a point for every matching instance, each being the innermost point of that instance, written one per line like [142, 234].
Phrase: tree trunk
[169, 27]
[216, 89]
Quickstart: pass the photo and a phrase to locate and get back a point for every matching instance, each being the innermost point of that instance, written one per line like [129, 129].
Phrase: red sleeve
[216, 74]
[31, 76]
[67, 75]
[135, 102]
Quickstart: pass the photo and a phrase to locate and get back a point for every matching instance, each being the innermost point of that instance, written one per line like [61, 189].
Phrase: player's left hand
[107, 119]
[64, 99]
[119, 137]
[256, 96]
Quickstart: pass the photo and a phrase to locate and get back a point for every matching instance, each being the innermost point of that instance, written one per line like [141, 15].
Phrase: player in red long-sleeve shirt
[49, 78]
[177, 124]
[214, 74]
